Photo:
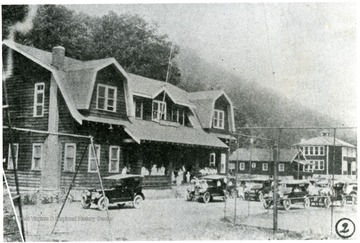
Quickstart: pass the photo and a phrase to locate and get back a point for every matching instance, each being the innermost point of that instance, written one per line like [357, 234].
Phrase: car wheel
[287, 204]
[206, 197]
[261, 196]
[103, 203]
[189, 196]
[138, 201]
[306, 203]
[84, 203]
[343, 201]
[327, 202]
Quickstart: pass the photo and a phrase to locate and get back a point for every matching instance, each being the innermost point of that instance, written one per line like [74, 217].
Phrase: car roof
[120, 176]
[213, 177]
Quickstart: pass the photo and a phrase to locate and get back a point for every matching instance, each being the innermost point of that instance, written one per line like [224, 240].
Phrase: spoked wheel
[206, 197]
[306, 203]
[343, 201]
[189, 196]
[287, 204]
[103, 203]
[327, 202]
[138, 199]
[84, 203]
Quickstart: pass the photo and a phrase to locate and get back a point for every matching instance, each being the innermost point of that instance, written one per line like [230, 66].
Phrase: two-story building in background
[135, 121]
[329, 156]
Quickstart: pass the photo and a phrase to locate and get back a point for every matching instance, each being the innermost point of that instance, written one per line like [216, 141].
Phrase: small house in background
[328, 155]
[260, 162]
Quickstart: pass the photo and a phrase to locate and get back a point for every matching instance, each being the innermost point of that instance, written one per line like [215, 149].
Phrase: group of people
[208, 171]
[180, 176]
[154, 171]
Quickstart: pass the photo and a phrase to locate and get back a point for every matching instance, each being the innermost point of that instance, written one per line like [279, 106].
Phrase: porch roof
[153, 131]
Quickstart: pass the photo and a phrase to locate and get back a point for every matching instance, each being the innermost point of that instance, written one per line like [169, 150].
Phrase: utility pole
[276, 155]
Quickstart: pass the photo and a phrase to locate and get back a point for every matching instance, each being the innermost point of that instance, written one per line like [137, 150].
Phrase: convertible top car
[125, 189]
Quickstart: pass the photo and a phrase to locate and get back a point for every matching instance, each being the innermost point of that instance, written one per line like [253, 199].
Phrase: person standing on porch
[188, 177]
[154, 170]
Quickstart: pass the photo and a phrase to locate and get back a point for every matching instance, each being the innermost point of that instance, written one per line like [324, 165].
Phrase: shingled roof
[261, 154]
[324, 141]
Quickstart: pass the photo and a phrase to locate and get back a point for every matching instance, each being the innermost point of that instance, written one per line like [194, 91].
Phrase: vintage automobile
[345, 191]
[207, 188]
[125, 189]
[289, 192]
[256, 188]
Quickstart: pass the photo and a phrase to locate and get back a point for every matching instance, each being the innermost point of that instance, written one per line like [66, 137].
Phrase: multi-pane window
[317, 164]
[253, 165]
[70, 157]
[313, 150]
[36, 160]
[106, 97]
[114, 158]
[281, 167]
[10, 164]
[138, 109]
[212, 159]
[265, 167]
[321, 165]
[92, 167]
[306, 150]
[175, 115]
[321, 150]
[182, 117]
[231, 166]
[242, 166]
[39, 99]
[218, 121]
[158, 110]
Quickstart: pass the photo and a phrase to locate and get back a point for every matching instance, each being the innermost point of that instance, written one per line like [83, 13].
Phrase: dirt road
[173, 219]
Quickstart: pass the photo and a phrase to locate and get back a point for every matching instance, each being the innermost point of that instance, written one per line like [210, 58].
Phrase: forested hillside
[255, 105]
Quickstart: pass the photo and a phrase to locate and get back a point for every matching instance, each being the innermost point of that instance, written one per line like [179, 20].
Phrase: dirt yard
[177, 219]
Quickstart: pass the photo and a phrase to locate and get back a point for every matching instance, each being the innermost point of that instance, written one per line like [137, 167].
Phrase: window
[242, 166]
[309, 167]
[39, 99]
[212, 159]
[321, 165]
[265, 167]
[182, 117]
[92, 160]
[138, 109]
[158, 110]
[232, 166]
[70, 157]
[218, 121]
[223, 163]
[281, 167]
[253, 165]
[10, 164]
[36, 160]
[321, 150]
[175, 115]
[114, 158]
[311, 150]
[106, 97]
[316, 150]
[306, 150]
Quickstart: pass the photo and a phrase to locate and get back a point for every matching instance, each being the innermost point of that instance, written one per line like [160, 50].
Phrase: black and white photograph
[179, 121]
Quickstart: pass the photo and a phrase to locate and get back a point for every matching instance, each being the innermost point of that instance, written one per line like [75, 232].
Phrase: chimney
[58, 57]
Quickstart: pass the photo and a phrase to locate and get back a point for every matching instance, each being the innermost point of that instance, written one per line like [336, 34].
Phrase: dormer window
[106, 97]
[158, 110]
[138, 109]
[218, 121]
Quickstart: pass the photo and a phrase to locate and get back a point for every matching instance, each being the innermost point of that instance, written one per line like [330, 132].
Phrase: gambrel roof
[76, 83]
[205, 104]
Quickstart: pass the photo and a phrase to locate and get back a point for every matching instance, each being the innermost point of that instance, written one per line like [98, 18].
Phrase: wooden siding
[20, 88]
[26, 178]
[288, 168]
[109, 76]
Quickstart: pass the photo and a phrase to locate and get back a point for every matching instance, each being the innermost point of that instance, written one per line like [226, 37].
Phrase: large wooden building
[260, 162]
[329, 156]
[135, 121]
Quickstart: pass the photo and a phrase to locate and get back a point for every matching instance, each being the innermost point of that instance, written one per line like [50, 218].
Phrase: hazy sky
[310, 47]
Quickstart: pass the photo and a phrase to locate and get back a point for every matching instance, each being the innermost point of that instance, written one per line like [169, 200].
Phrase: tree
[11, 14]
[128, 38]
